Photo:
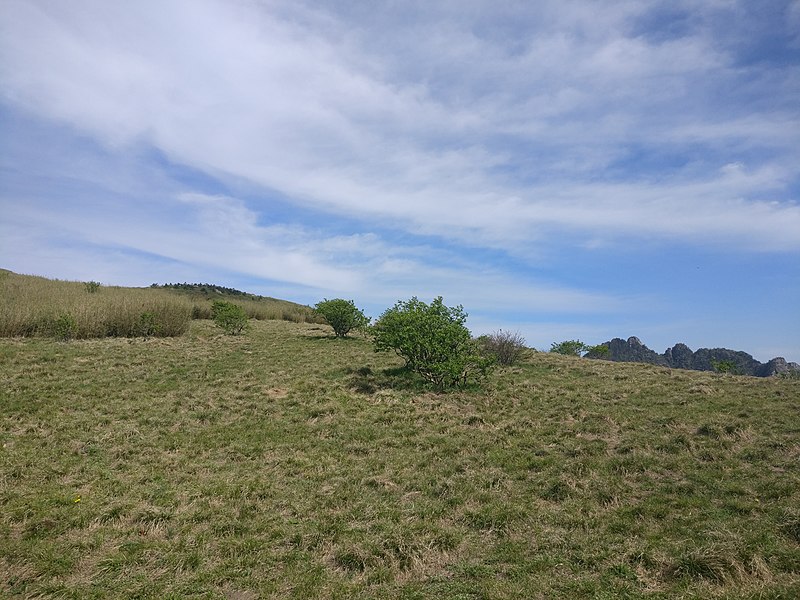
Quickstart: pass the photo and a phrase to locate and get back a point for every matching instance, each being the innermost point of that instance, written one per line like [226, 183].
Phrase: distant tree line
[206, 288]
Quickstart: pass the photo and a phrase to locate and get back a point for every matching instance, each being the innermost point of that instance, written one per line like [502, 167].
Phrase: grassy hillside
[35, 306]
[202, 295]
[289, 464]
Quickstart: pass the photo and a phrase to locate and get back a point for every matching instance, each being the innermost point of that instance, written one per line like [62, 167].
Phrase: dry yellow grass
[35, 306]
[285, 463]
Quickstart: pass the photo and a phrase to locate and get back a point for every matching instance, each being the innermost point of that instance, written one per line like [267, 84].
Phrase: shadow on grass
[326, 336]
[366, 381]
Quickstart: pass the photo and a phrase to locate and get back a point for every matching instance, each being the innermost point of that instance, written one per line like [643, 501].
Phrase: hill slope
[256, 307]
[31, 306]
[289, 464]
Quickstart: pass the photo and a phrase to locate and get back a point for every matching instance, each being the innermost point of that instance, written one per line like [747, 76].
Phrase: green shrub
[342, 315]
[231, 317]
[578, 348]
[569, 348]
[506, 347]
[65, 327]
[725, 366]
[92, 286]
[147, 325]
[433, 341]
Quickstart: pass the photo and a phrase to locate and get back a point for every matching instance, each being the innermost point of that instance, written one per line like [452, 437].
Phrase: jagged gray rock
[739, 363]
[680, 356]
[777, 366]
[632, 350]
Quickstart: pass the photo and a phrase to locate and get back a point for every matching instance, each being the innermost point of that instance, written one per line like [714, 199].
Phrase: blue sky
[565, 169]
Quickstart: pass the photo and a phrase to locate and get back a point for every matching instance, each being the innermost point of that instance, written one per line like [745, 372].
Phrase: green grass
[286, 463]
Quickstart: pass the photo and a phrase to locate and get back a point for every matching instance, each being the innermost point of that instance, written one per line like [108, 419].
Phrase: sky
[565, 169]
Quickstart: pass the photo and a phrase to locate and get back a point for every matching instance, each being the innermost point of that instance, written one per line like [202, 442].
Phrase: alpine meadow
[400, 300]
[289, 462]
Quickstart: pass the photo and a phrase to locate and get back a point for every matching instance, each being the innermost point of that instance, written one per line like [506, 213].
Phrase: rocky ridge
[680, 356]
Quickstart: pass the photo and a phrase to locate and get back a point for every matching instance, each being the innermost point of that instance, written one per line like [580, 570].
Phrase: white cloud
[218, 234]
[302, 106]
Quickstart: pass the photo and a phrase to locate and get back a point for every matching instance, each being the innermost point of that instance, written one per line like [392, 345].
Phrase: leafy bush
[506, 347]
[231, 317]
[147, 325]
[92, 286]
[342, 315]
[65, 327]
[569, 348]
[433, 341]
[578, 348]
[725, 366]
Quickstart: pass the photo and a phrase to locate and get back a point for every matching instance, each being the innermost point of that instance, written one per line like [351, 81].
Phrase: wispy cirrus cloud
[299, 109]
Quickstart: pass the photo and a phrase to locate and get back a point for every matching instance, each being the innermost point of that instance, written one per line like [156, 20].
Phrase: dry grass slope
[35, 306]
[31, 306]
[289, 464]
[260, 308]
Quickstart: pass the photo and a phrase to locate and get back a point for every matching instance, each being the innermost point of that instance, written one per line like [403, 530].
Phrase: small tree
[578, 348]
[342, 315]
[505, 346]
[569, 348]
[599, 351]
[231, 317]
[433, 341]
[92, 286]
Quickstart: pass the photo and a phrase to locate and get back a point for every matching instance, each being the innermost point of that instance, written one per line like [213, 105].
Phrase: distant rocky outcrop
[680, 356]
[632, 350]
[777, 366]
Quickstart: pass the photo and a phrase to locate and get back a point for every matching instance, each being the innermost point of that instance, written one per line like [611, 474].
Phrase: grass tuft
[790, 525]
